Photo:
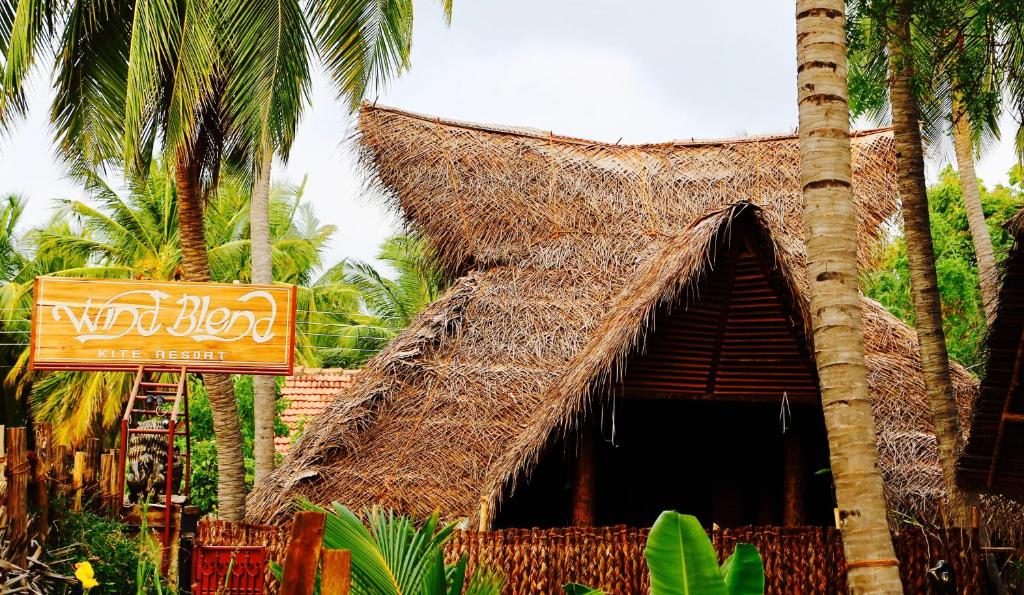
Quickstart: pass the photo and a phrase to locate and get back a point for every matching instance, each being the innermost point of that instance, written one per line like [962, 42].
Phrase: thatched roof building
[651, 295]
[994, 457]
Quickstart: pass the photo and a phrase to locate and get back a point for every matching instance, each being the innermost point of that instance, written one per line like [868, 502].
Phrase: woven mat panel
[797, 560]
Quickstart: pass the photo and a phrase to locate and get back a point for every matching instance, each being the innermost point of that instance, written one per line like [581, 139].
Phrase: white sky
[641, 71]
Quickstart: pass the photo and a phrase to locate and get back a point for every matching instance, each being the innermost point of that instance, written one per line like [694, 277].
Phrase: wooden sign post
[162, 331]
[100, 324]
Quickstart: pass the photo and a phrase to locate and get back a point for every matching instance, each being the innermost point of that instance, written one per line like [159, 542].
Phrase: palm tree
[418, 280]
[364, 44]
[137, 236]
[267, 90]
[15, 301]
[127, 75]
[890, 32]
[202, 78]
[963, 141]
[831, 234]
[959, 91]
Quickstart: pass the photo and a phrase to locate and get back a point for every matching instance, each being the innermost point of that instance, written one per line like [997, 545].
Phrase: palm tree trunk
[830, 225]
[262, 272]
[924, 282]
[987, 275]
[219, 388]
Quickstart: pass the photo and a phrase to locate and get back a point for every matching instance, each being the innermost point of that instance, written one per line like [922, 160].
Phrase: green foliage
[888, 281]
[384, 304]
[148, 580]
[392, 555]
[682, 561]
[107, 544]
[744, 570]
[203, 482]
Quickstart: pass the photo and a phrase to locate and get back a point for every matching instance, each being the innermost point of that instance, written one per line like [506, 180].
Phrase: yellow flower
[83, 572]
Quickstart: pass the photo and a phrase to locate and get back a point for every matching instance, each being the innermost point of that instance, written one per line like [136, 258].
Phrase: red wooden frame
[211, 563]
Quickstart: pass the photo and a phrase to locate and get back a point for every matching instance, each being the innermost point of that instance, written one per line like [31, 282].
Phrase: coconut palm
[959, 89]
[831, 235]
[202, 79]
[364, 44]
[130, 75]
[137, 236]
[898, 31]
[417, 280]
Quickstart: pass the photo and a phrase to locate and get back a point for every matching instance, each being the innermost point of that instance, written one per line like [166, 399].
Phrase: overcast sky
[641, 71]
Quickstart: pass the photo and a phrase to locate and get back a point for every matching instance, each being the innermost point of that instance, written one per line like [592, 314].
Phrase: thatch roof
[565, 249]
[994, 456]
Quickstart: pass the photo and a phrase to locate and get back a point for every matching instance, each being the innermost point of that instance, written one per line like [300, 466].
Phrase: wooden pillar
[116, 473]
[42, 477]
[77, 477]
[793, 481]
[106, 463]
[17, 495]
[583, 486]
[59, 463]
[303, 556]
[335, 572]
[92, 459]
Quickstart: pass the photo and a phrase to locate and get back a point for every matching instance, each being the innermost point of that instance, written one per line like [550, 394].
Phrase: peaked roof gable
[566, 249]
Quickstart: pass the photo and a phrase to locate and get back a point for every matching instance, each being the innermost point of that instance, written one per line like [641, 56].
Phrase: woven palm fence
[796, 559]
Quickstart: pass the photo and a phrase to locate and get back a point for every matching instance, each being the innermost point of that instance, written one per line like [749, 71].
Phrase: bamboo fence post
[60, 465]
[106, 459]
[44, 448]
[17, 494]
[77, 474]
[115, 484]
[335, 572]
[92, 453]
[484, 514]
[303, 555]
[3, 463]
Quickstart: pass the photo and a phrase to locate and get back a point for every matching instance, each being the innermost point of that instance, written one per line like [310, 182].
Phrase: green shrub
[203, 482]
[106, 544]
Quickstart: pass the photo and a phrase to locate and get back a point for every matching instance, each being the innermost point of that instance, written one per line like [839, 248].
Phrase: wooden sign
[99, 324]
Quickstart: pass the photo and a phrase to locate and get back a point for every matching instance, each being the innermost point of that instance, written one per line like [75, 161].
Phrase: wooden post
[116, 498]
[335, 572]
[42, 477]
[77, 475]
[59, 463]
[303, 555]
[484, 514]
[106, 461]
[793, 482]
[583, 481]
[17, 495]
[92, 453]
[3, 464]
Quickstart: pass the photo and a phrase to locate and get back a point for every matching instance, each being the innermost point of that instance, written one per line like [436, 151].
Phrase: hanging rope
[785, 414]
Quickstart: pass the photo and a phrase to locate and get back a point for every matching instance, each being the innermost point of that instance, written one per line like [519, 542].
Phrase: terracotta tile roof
[309, 390]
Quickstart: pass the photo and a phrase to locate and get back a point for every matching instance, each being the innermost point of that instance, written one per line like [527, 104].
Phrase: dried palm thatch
[994, 457]
[565, 249]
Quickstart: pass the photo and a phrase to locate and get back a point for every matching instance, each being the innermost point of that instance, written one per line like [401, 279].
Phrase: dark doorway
[725, 463]
[694, 425]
